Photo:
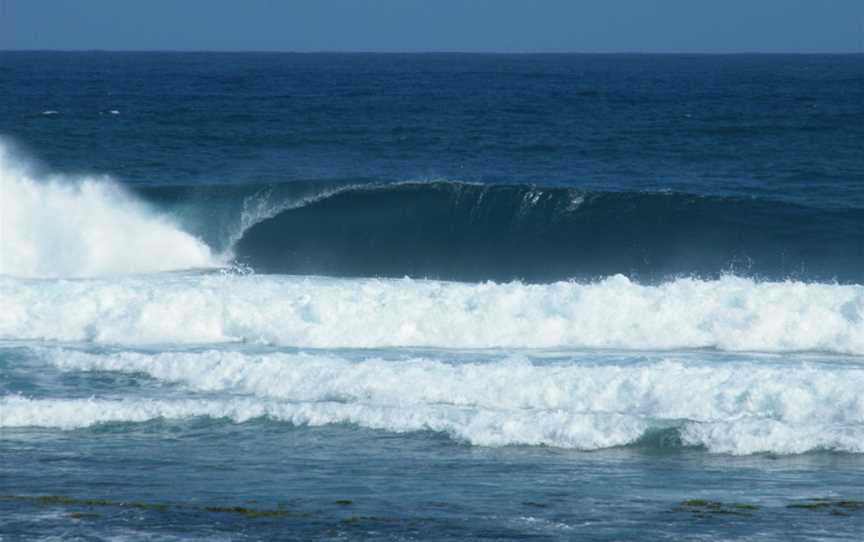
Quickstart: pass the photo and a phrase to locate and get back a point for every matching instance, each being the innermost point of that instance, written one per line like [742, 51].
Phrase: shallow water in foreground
[253, 442]
[409, 487]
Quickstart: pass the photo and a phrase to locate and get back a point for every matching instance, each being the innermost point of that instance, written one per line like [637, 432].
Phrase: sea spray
[64, 226]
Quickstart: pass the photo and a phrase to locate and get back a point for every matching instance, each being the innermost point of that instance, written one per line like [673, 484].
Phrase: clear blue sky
[436, 25]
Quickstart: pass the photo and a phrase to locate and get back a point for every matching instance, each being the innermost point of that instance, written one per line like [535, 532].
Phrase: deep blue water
[445, 297]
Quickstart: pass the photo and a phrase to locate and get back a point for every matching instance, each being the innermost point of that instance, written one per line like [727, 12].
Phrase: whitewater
[83, 226]
[85, 263]
[733, 314]
[570, 401]
[626, 325]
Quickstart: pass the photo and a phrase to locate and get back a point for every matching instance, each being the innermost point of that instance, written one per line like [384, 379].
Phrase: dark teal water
[651, 166]
[432, 297]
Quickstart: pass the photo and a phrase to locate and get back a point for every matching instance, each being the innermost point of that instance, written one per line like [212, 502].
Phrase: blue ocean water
[437, 297]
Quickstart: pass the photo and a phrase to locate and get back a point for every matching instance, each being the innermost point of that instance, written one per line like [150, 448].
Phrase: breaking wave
[60, 226]
[65, 226]
[731, 313]
[469, 232]
[741, 406]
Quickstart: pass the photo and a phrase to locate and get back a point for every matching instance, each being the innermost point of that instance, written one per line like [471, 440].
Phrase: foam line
[477, 427]
[734, 314]
[652, 388]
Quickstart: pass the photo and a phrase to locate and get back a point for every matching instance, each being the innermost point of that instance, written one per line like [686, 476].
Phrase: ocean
[431, 297]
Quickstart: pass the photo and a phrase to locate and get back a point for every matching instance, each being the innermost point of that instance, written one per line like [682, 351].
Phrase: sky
[662, 26]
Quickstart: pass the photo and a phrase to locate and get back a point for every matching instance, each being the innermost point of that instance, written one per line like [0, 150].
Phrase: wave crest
[85, 226]
[459, 231]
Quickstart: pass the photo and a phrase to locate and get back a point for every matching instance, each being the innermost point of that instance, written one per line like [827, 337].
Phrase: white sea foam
[84, 226]
[734, 314]
[743, 437]
[482, 427]
[740, 406]
[669, 389]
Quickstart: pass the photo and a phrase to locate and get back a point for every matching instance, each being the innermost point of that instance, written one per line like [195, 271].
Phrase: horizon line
[429, 52]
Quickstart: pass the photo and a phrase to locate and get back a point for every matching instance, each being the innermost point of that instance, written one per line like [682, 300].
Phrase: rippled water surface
[431, 297]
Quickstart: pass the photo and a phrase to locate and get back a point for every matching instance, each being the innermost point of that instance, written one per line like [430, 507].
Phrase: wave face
[79, 226]
[457, 231]
[60, 226]
[741, 406]
[732, 313]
